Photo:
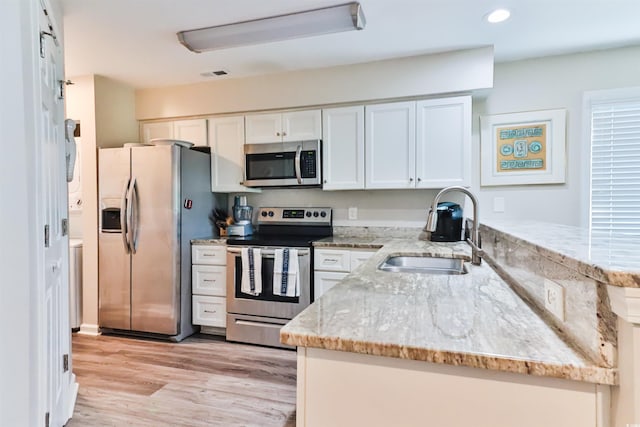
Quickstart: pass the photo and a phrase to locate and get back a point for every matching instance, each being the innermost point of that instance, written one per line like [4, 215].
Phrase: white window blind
[615, 166]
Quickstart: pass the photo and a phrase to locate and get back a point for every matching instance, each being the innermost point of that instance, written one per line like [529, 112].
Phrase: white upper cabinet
[157, 130]
[343, 148]
[443, 148]
[226, 138]
[283, 127]
[390, 145]
[192, 130]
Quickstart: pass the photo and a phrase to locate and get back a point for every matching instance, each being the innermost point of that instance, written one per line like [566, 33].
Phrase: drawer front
[209, 254]
[332, 260]
[209, 311]
[325, 280]
[209, 280]
[359, 257]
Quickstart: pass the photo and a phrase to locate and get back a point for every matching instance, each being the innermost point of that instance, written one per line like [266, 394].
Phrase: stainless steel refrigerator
[153, 200]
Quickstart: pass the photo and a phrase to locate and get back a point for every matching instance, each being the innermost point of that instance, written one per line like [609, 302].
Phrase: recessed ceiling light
[498, 15]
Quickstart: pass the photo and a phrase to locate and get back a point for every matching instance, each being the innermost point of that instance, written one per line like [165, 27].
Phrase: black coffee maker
[449, 225]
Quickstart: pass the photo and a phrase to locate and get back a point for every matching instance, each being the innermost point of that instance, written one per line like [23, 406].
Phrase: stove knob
[264, 213]
[315, 214]
[308, 214]
[323, 214]
[271, 213]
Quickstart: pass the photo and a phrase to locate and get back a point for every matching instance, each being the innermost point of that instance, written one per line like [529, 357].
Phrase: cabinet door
[209, 311]
[360, 257]
[301, 125]
[325, 280]
[332, 260]
[226, 138]
[443, 152]
[263, 128]
[390, 141]
[343, 148]
[209, 254]
[156, 130]
[194, 131]
[209, 280]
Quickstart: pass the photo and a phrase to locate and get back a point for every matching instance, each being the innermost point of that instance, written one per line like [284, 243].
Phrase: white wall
[549, 83]
[536, 84]
[105, 109]
[448, 72]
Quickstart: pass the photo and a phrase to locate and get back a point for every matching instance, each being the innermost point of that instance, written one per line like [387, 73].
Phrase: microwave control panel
[308, 164]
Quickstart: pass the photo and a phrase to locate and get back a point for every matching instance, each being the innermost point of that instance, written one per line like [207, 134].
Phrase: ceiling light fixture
[327, 20]
[498, 15]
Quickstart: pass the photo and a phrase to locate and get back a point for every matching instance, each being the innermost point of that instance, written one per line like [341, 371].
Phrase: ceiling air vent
[217, 73]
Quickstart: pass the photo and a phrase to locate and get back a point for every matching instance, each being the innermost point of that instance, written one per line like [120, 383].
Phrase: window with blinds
[615, 166]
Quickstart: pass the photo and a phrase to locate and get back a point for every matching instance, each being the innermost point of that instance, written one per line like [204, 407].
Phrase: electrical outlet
[554, 298]
[353, 213]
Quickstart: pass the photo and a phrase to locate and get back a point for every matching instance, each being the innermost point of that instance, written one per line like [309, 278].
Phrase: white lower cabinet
[333, 265]
[208, 285]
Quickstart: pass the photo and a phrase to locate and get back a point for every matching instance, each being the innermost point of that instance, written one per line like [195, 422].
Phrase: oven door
[266, 304]
[283, 164]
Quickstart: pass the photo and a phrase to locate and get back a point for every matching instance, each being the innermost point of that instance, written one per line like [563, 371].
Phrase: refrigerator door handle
[135, 214]
[123, 218]
[131, 212]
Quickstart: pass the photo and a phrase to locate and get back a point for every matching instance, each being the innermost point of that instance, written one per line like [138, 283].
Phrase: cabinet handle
[209, 255]
[325, 181]
[419, 179]
[284, 134]
[410, 179]
[277, 133]
[330, 260]
[212, 312]
[209, 280]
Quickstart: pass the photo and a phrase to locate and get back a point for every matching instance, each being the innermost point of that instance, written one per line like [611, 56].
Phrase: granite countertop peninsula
[612, 259]
[474, 319]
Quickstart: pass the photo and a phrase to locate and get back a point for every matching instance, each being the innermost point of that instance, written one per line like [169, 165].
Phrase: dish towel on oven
[286, 277]
[251, 271]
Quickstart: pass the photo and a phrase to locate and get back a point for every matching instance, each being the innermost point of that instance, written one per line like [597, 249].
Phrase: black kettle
[449, 224]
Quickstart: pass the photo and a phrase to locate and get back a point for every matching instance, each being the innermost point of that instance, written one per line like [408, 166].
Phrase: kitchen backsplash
[375, 208]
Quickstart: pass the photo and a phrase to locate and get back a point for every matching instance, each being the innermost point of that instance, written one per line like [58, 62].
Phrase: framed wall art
[523, 148]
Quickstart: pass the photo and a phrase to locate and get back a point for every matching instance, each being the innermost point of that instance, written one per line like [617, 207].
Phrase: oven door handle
[298, 164]
[268, 252]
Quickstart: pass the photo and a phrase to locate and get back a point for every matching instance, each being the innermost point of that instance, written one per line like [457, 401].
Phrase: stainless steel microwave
[283, 164]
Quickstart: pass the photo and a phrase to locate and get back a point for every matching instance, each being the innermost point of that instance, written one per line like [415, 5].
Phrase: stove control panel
[307, 216]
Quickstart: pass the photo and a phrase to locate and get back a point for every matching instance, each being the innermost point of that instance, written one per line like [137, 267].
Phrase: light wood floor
[201, 381]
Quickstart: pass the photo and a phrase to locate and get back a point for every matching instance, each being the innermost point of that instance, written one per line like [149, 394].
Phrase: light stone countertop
[210, 241]
[474, 319]
[614, 260]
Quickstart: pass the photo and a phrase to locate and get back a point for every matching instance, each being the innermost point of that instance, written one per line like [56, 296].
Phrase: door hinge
[46, 236]
[65, 362]
[65, 226]
[42, 34]
[46, 419]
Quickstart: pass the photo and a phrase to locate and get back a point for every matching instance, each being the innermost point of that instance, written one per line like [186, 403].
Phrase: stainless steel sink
[423, 264]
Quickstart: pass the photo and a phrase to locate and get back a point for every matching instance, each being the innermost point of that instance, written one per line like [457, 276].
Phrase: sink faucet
[474, 240]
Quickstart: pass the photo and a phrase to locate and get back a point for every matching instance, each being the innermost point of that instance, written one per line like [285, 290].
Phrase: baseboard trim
[73, 397]
[93, 330]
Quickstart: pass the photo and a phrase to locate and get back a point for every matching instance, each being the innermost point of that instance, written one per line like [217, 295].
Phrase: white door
[194, 130]
[343, 148]
[443, 143]
[390, 141]
[53, 195]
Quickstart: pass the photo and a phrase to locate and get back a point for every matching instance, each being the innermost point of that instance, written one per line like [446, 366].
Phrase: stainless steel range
[258, 301]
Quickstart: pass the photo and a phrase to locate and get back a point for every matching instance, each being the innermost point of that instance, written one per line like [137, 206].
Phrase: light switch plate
[554, 298]
[353, 213]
